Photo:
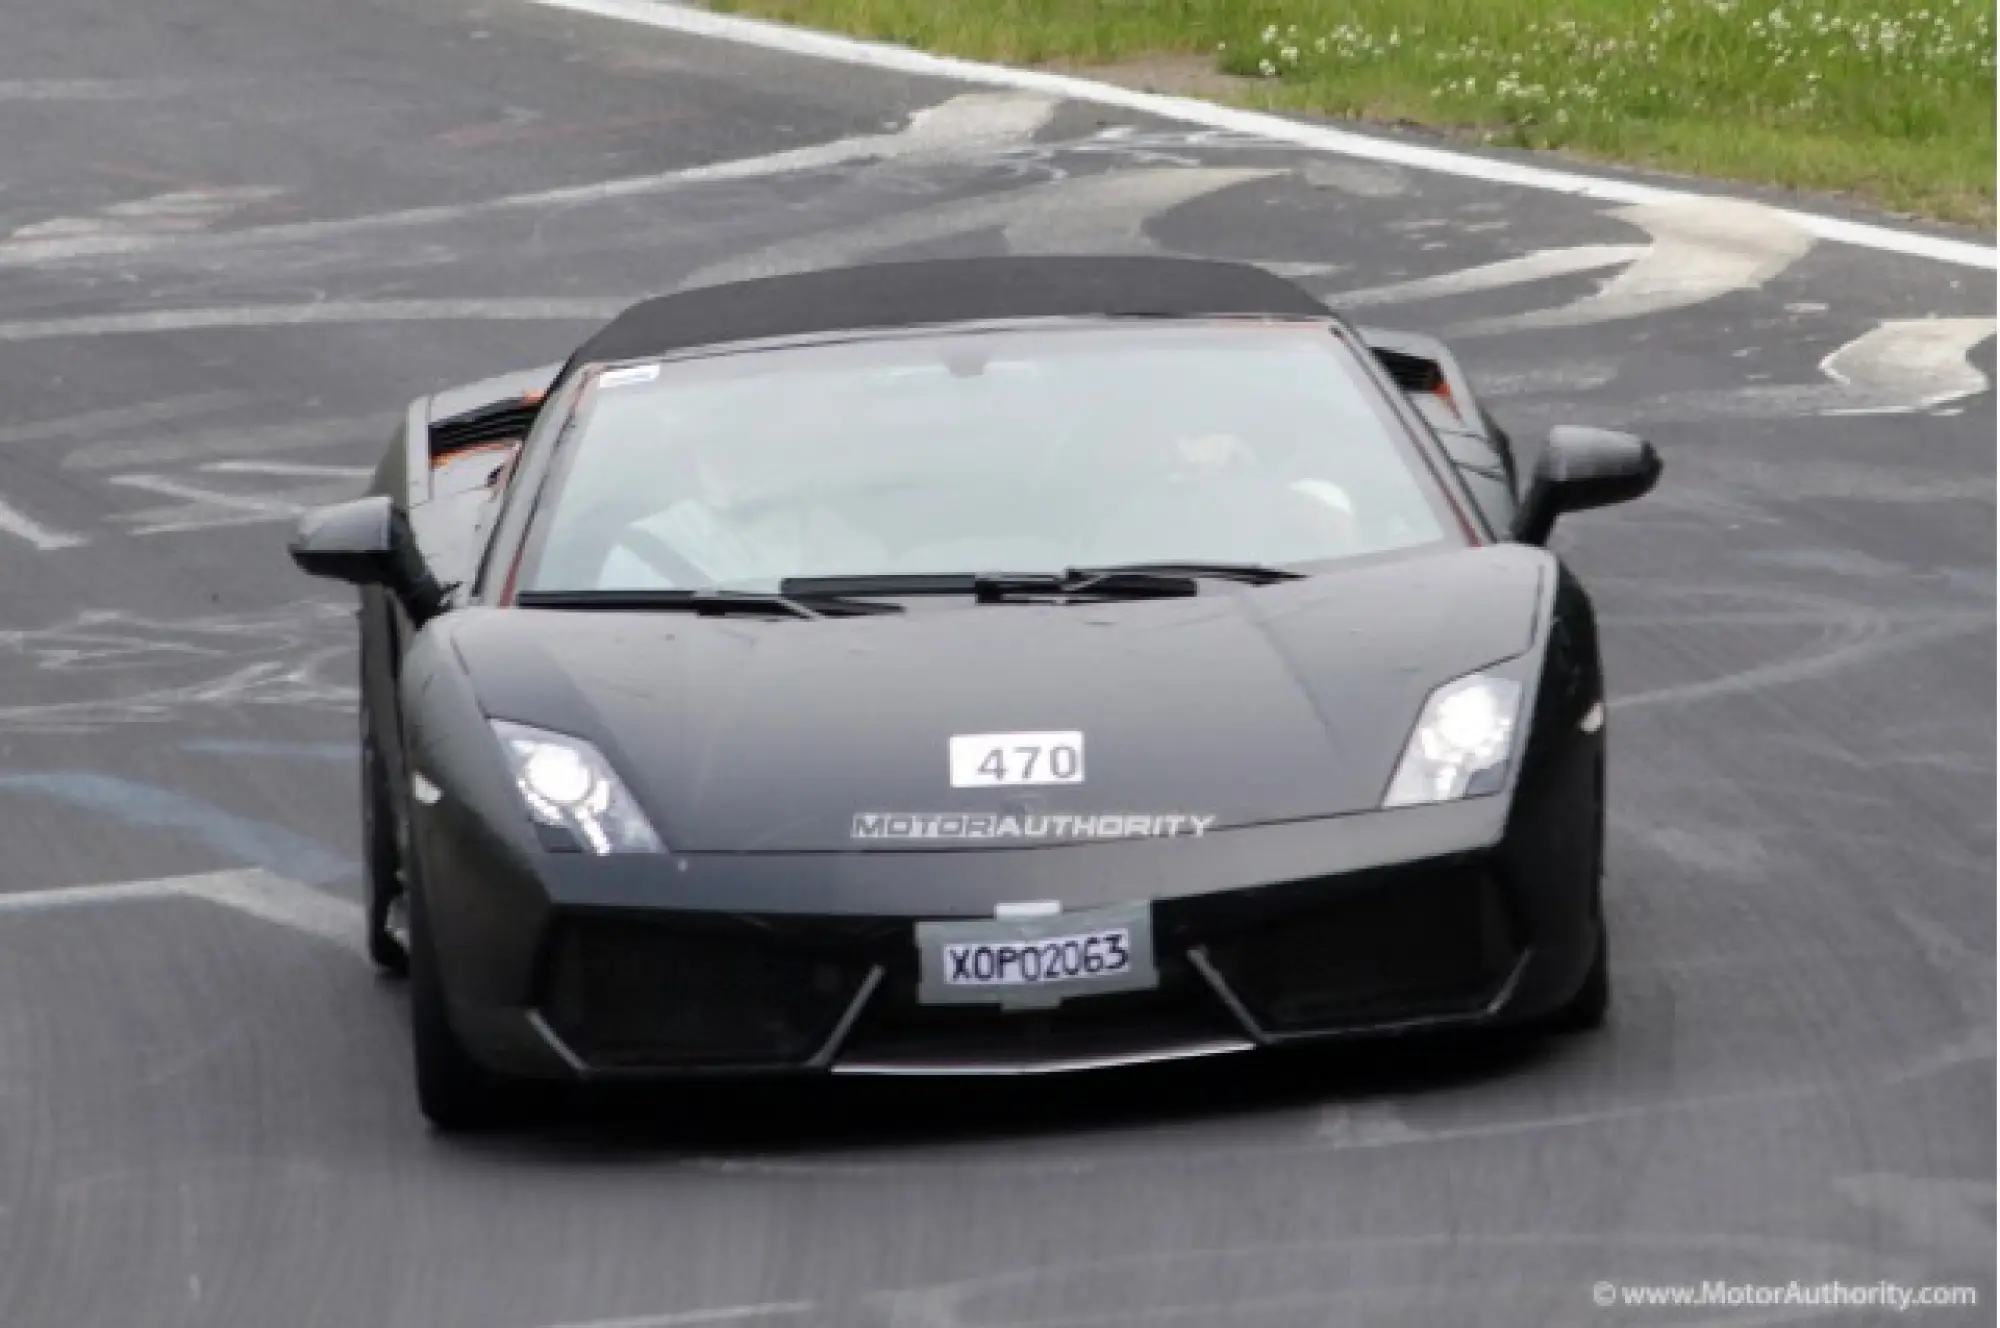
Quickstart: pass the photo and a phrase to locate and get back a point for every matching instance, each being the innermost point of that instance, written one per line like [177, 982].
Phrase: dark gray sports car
[982, 666]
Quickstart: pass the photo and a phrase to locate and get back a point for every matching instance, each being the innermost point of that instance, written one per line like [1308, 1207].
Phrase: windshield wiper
[1098, 583]
[1254, 574]
[708, 602]
[1123, 581]
[996, 587]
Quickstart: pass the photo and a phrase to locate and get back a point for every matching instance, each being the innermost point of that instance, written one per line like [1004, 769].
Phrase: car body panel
[495, 905]
[1248, 705]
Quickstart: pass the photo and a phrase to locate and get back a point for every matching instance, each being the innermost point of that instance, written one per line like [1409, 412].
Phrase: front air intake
[625, 994]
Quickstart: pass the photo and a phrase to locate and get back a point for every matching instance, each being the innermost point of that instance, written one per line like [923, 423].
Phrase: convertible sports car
[972, 666]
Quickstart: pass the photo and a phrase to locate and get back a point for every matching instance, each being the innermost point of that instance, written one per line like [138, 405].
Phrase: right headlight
[1461, 744]
[566, 784]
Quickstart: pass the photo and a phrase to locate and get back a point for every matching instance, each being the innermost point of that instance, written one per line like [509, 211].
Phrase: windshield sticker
[638, 373]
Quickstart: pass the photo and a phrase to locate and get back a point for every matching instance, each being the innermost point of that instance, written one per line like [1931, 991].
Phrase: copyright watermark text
[1744, 1295]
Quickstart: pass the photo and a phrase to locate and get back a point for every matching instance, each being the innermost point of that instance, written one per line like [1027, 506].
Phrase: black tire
[1591, 1006]
[455, 1092]
[383, 858]
[1588, 1009]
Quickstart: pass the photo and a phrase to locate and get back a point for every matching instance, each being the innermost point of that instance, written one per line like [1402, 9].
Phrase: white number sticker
[635, 373]
[994, 760]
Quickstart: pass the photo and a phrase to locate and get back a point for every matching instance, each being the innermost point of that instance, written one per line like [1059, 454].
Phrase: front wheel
[387, 912]
[1591, 1006]
[454, 1092]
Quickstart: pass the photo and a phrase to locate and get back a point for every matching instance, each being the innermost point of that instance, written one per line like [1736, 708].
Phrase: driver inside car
[731, 525]
[1216, 500]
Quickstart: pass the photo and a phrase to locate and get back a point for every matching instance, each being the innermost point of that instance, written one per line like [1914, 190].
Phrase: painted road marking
[86, 896]
[974, 122]
[1542, 265]
[253, 891]
[77, 89]
[345, 752]
[1098, 212]
[121, 417]
[1897, 368]
[131, 802]
[329, 312]
[299, 469]
[162, 214]
[686, 1318]
[1911, 364]
[241, 508]
[21, 526]
[897, 59]
[158, 450]
[297, 654]
[1702, 250]
[208, 509]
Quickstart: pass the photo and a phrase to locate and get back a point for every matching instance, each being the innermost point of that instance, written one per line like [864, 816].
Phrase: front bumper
[1466, 914]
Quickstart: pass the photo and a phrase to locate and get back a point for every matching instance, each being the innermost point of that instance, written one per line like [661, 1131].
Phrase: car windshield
[1019, 450]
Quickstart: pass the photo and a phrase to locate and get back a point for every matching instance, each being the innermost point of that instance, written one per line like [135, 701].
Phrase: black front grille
[624, 994]
[1389, 949]
[895, 1029]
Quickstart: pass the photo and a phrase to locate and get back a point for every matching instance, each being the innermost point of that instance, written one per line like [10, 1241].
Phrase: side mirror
[349, 542]
[1581, 469]
[367, 542]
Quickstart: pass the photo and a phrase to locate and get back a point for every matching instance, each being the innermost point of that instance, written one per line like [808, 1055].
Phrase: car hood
[1244, 705]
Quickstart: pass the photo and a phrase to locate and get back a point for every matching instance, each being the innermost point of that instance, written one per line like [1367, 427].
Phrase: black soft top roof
[960, 290]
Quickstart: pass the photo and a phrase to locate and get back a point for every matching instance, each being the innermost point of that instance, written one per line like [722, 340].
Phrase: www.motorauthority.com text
[1823, 1295]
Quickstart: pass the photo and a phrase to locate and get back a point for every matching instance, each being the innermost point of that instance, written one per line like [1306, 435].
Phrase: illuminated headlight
[566, 784]
[1461, 743]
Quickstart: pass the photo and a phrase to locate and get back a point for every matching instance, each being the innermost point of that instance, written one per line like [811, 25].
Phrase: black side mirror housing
[367, 542]
[1581, 469]
[351, 542]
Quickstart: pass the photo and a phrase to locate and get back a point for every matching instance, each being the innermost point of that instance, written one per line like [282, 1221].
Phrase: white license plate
[1029, 963]
[1036, 961]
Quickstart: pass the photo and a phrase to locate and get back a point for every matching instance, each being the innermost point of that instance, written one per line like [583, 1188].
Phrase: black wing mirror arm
[369, 542]
[409, 577]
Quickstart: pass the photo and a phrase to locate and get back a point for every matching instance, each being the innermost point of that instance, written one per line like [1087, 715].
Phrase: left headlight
[1461, 743]
[566, 784]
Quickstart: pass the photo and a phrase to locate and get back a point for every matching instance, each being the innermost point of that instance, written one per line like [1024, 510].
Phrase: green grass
[1886, 101]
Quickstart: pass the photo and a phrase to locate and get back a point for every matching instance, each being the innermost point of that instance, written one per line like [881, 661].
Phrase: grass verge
[1889, 101]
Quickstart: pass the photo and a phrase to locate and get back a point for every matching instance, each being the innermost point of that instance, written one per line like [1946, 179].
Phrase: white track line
[80, 896]
[252, 891]
[975, 122]
[1187, 110]
[298, 469]
[1541, 265]
[19, 524]
[686, 1318]
[328, 312]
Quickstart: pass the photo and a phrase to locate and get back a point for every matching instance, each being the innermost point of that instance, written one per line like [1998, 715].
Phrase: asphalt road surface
[237, 235]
